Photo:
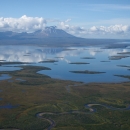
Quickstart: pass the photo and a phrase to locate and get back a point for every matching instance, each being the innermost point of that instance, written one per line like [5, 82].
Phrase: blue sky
[84, 18]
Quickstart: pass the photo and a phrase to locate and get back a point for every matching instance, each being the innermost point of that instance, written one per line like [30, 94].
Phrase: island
[87, 72]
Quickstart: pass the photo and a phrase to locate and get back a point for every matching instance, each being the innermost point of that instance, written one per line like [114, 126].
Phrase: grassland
[42, 94]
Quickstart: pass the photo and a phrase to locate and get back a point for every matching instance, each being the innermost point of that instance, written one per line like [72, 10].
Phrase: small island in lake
[87, 58]
[117, 57]
[49, 61]
[79, 63]
[87, 72]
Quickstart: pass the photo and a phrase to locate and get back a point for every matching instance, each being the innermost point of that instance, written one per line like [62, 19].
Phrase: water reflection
[66, 55]
[37, 54]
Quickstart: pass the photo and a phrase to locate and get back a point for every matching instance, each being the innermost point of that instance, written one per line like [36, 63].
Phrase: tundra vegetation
[22, 100]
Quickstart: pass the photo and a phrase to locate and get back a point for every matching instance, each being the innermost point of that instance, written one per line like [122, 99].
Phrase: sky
[82, 18]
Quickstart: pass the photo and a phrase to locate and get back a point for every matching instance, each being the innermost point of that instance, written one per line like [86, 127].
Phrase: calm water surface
[64, 56]
[4, 77]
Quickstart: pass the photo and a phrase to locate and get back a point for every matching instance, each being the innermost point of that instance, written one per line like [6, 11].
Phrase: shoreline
[42, 94]
[46, 68]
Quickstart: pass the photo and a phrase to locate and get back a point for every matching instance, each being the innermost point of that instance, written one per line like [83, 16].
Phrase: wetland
[64, 88]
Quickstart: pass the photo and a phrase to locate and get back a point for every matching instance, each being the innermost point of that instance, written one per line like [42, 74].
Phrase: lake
[64, 61]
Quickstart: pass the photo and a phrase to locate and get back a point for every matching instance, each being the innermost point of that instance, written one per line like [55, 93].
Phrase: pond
[4, 77]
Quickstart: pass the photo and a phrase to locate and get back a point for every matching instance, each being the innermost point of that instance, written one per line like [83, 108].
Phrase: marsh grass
[40, 93]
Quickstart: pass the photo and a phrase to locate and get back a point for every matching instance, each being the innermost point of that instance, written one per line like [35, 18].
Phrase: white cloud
[114, 29]
[21, 54]
[96, 31]
[31, 24]
[22, 24]
[75, 30]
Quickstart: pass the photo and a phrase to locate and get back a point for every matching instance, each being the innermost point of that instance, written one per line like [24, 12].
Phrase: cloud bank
[22, 24]
[31, 24]
[96, 31]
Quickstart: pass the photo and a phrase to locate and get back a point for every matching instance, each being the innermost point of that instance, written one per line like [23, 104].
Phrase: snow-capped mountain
[51, 31]
[49, 36]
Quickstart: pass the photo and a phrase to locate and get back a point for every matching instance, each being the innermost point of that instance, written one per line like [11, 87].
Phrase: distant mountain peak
[51, 27]
[52, 31]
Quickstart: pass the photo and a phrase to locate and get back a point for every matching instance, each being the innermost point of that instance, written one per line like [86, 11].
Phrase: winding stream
[87, 106]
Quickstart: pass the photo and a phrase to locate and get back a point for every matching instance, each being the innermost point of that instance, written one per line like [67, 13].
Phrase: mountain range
[48, 32]
[49, 36]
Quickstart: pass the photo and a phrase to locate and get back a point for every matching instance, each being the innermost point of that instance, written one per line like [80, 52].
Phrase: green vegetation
[42, 94]
[86, 72]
